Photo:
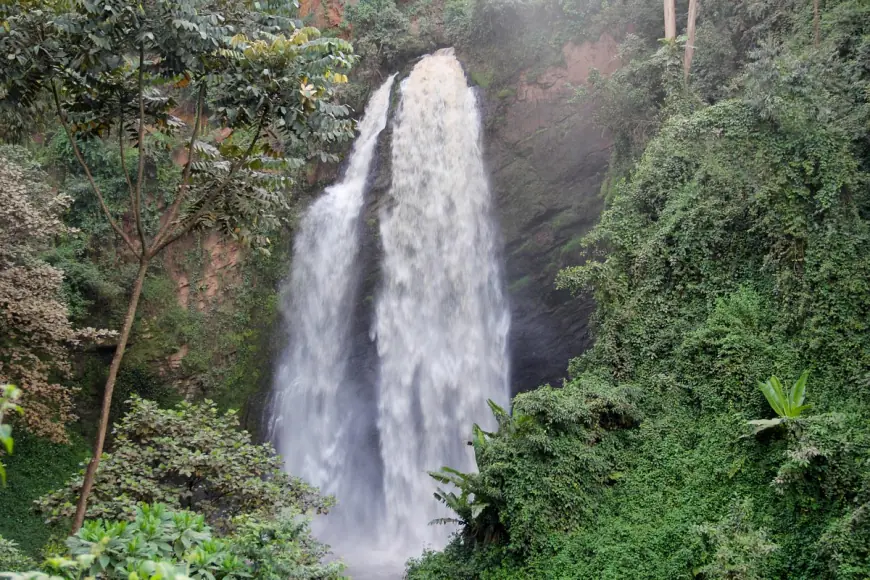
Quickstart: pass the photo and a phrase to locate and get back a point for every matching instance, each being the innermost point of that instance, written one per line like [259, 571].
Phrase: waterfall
[315, 418]
[440, 327]
[441, 319]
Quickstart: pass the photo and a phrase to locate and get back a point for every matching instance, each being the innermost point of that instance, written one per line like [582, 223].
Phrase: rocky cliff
[547, 161]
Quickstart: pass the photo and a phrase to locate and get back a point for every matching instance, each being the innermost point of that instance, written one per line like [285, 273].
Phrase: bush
[190, 457]
[282, 548]
[12, 559]
[159, 541]
[734, 547]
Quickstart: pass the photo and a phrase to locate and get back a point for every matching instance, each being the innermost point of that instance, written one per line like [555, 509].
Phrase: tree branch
[191, 221]
[185, 175]
[123, 153]
[83, 163]
[137, 201]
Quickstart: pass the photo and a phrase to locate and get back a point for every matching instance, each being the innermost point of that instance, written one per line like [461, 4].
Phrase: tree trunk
[94, 463]
[690, 41]
[816, 18]
[670, 20]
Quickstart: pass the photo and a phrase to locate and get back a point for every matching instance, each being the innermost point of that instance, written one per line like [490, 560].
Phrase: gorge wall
[547, 161]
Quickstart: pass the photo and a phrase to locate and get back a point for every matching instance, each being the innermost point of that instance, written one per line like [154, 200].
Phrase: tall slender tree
[670, 19]
[690, 40]
[116, 69]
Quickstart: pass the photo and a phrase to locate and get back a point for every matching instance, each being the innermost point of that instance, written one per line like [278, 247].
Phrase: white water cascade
[441, 320]
[312, 405]
[440, 326]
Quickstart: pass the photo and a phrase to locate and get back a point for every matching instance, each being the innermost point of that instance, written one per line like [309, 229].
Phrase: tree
[115, 69]
[35, 332]
[190, 458]
[690, 40]
[670, 20]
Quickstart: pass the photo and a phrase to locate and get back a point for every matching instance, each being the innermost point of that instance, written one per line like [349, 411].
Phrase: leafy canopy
[110, 68]
[35, 331]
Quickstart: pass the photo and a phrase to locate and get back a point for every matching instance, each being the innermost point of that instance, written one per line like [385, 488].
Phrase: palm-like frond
[787, 405]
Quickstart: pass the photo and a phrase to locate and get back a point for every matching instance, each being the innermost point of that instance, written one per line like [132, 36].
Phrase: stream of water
[440, 326]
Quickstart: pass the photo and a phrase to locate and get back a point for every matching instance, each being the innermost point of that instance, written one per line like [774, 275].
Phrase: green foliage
[282, 548]
[9, 394]
[458, 16]
[37, 467]
[381, 32]
[165, 543]
[156, 535]
[190, 457]
[61, 568]
[738, 342]
[12, 559]
[546, 466]
[734, 246]
[272, 84]
[734, 547]
[788, 405]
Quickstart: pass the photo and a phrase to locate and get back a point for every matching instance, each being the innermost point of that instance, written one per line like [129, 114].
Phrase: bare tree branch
[65, 124]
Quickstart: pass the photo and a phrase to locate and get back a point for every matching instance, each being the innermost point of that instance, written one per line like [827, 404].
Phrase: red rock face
[326, 13]
[554, 85]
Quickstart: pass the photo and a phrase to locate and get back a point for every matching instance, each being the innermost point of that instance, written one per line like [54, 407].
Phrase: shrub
[160, 541]
[12, 559]
[190, 457]
[734, 547]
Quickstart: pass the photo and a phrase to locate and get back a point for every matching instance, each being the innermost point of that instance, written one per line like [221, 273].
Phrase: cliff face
[547, 161]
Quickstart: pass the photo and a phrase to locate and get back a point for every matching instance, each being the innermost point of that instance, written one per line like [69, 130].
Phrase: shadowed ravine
[441, 325]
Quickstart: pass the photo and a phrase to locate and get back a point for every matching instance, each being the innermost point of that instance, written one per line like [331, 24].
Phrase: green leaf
[798, 391]
[477, 509]
[774, 397]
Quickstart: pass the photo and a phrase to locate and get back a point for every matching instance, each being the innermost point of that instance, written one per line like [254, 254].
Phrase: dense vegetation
[145, 148]
[734, 247]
